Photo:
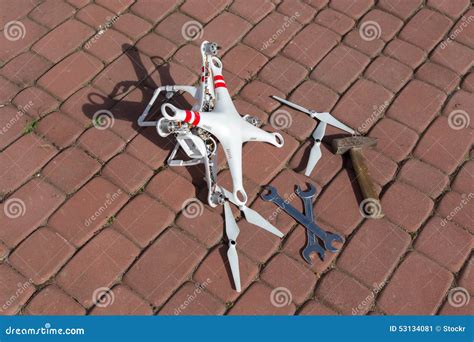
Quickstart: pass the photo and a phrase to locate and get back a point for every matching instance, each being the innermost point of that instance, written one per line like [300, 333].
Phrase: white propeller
[324, 117]
[315, 153]
[252, 216]
[232, 231]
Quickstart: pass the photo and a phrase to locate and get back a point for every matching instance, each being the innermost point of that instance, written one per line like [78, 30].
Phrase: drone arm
[252, 133]
[233, 151]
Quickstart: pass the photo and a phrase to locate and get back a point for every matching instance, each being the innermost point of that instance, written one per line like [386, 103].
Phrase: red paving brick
[434, 25]
[374, 251]
[258, 301]
[51, 300]
[406, 206]
[357, 106]
[15, 290]
[59, 129]
[125, 302]
[311, 44]
[261, 36]
[417, 105]
[41, 255]
[334, 20]
[388, 72]
[193, 299]
[438, 76]
[164, 266]
[87, 210]
[395, 140]
[143, 219]
[344, 293]
[282, 271]
[70, 74]
[409, 85]
[62, 40]
[340, 68]
[23, 158]
[98, 265]
[445, 243]
[71, 159]
[428, 283]
[443, 146]
[35, 102]
[423, 176]
[26, 209]
[25, 68]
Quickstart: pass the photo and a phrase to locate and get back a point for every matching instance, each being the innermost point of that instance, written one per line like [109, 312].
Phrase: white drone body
[214, 115]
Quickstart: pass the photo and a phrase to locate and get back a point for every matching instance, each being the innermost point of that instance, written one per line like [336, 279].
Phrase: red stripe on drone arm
[219, 85]
[218, 77]
[197, 118]
[188, 116]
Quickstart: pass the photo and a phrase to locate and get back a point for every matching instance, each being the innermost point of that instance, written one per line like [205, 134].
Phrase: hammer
[371, 204]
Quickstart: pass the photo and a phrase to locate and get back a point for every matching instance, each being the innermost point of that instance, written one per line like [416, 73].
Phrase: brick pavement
[91, 220]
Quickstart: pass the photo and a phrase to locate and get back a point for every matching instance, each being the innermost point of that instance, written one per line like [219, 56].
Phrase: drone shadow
[126, 110]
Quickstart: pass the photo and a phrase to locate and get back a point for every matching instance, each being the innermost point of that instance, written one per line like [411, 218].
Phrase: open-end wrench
[312, 244]
[271, 194]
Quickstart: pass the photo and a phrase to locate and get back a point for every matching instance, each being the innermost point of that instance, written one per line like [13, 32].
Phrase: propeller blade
[234, 266]
[314, 157]
[315, 153]
[231, 228]
[325, 116]
[293, 105]
[319, 132]
[328, 118]
[255, 218]
[232, 232]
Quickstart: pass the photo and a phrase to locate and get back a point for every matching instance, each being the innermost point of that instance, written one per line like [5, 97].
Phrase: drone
[213, 119]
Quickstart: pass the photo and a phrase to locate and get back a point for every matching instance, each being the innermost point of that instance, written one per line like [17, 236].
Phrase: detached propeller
[315, 153]
[252, 216]
[232, 231]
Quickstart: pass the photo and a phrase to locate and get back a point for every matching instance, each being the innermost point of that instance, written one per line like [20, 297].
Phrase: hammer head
[343, 145]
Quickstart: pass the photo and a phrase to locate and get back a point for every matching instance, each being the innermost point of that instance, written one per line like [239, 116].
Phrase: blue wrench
[306, 219]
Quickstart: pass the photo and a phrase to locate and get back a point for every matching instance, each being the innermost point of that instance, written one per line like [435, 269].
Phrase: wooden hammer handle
[366, 184]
